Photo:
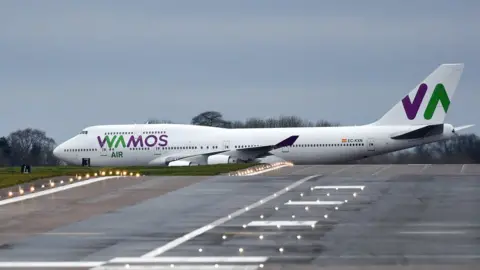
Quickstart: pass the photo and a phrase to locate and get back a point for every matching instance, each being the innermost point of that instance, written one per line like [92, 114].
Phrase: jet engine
[221, 159]
[178, 163]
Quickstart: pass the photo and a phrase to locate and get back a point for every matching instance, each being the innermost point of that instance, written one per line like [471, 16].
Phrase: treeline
[34, 147]
[27, 146]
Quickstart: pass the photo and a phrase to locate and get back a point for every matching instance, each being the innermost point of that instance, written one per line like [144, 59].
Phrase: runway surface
[300, 217]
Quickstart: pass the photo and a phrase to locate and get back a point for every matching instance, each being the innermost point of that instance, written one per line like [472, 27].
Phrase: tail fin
[428, 103]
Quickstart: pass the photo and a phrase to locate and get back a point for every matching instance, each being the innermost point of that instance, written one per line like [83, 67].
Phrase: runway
[302, 217]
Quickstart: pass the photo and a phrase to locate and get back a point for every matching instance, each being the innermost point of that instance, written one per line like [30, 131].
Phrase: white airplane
[415, 120]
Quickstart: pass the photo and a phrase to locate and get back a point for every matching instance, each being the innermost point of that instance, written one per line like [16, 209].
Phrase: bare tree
[5, 152]
[31, 146]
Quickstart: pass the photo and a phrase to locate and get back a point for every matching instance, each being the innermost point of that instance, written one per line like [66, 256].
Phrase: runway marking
[339, 187]
[463, 168]
[432, 232]
[382, 169]
[181, 267]
[314, 203]
[185, 259]
[425, 167]
[252, 233]
[220, 221]
[49, 264]
[263, 223]
[55, 190]
[343, 169]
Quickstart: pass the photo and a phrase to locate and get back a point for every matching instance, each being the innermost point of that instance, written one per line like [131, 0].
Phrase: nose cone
[56, 151]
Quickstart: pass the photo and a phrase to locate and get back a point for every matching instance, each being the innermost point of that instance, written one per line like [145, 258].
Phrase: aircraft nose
[57, 150]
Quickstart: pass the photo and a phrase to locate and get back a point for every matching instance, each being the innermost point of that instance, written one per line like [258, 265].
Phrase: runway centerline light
[261, 265]
[299, 237]
[293, 216]
[244, 226]
[325, 216]
[281, 250]
[224, 237]
[261, 237]
[355, 194]
[336, 207]
[261, 216]
[240, 250]
[200, 250]
[306, 208]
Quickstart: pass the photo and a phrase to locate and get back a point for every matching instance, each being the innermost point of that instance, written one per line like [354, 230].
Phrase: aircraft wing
[247, 154]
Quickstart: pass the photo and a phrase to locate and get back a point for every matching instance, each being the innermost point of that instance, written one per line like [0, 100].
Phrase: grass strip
[11, 176]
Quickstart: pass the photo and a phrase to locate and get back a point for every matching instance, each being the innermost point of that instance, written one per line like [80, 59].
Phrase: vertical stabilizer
[428, 102]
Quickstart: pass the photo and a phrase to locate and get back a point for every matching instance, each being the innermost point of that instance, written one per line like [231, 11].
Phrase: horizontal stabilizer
[463, 127]
[419, 133]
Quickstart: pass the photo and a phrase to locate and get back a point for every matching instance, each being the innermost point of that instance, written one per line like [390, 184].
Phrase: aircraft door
[103, 152]
[371, 144]
[226, 145]
[86, 162]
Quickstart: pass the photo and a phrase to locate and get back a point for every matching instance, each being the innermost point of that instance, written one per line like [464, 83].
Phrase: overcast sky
[65, 65]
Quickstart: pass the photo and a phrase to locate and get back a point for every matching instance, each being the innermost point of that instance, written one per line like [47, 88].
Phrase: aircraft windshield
[84, 132]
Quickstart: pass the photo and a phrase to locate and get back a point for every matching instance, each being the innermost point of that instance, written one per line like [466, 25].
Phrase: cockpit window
[84, 132]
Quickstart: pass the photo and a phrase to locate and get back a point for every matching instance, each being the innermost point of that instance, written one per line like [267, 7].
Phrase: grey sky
[66, 65]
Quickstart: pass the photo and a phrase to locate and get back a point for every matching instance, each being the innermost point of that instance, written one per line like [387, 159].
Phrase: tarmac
[421, 216]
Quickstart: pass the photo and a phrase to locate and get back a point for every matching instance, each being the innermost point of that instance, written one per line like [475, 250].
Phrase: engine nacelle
[178, 163]
[221, 159]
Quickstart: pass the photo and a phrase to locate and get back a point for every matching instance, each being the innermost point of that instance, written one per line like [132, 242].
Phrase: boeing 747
[415, 120]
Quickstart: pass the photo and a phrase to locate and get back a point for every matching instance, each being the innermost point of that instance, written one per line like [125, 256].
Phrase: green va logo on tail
[439, 95]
